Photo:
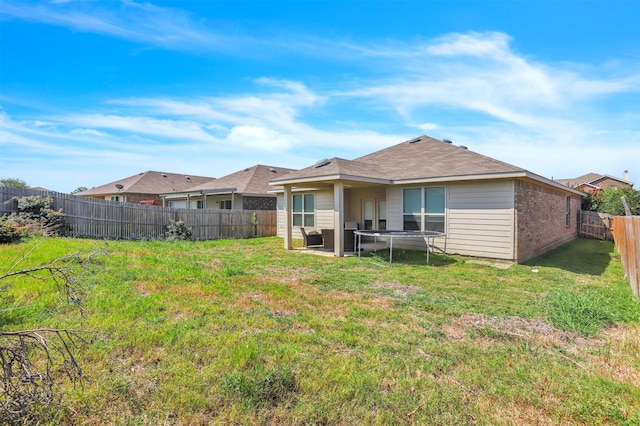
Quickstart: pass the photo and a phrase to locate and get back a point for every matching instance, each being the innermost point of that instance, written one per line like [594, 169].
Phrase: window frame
[422, 217]
[306, 215]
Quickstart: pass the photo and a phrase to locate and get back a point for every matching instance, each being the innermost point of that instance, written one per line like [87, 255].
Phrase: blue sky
[95, 91]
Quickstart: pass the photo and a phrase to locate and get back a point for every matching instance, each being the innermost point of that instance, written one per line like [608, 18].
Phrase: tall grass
[245, 332]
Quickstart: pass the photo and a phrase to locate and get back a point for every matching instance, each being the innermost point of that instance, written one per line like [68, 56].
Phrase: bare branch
[31, 360]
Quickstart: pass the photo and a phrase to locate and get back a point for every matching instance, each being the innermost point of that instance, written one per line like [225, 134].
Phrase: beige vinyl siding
[480, 217]
[323, 214]
[324, 210]
[282, 217]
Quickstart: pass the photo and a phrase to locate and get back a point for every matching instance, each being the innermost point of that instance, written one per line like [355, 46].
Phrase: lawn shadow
[410, 257]
[582, 256]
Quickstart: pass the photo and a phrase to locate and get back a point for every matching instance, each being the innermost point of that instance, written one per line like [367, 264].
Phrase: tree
[79, 189]
[13, 183]
[610, 201]
[31, 360]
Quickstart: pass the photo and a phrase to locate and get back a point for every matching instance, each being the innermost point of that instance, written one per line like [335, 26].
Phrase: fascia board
[330, 178]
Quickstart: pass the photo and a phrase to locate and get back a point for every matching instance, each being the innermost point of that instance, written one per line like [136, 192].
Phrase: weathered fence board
[87, 217]
[626, 233]
[595, 225]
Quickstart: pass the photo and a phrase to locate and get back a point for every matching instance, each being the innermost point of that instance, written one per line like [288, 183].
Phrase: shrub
[10, 232]
[177, 230]
[35, 215]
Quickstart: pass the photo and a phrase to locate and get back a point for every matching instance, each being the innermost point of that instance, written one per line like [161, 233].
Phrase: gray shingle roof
[419, 158]
[252, 180]
[149, 182]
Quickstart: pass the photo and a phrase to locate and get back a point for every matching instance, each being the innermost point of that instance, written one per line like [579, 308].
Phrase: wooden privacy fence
[595, 225]
[626, 234]
[86, 217]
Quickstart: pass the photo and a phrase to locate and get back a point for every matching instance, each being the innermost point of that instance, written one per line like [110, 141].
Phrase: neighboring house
[486, 207]
[593, 182]
[247, 189]
[144, 188]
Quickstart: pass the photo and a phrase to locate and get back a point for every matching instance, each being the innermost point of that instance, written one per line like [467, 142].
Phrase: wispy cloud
[140, 22]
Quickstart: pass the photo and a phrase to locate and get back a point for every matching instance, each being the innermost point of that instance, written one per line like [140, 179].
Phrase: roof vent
[187, 178]
[119, 186]
[414, 140]
[446, 140]
[272, 170]
[164, 175]
[462, 146]
[247, 169]
[322, 163]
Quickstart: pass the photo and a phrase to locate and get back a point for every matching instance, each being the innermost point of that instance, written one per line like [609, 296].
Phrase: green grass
[245, 332]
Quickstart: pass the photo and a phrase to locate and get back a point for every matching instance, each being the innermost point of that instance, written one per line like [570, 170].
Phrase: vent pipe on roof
[625, 175]
[321, 163]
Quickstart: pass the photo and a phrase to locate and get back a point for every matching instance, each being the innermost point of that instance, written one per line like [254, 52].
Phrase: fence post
[121, 221]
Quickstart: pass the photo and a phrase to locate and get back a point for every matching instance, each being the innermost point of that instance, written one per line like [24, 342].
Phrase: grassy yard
[245, 332]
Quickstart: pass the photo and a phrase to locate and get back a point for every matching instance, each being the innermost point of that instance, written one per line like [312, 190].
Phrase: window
[424, 209]
[200, 204]
[567, 212]
[304, 207]
[115, 198]
[225, 204]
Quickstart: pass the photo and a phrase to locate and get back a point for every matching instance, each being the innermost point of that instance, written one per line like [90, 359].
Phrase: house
[486, 207]
[144, 188]
[593, 182]
[246, 189]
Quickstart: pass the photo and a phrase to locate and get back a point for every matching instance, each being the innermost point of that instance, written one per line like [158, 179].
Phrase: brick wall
[259, 203]
[540, 218]
[136, 198]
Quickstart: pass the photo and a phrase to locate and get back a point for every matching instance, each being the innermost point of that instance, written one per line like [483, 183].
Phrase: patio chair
[327, 239]
[313, 238]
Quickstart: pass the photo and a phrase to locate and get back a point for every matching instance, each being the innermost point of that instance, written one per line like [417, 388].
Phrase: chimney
[625, 175]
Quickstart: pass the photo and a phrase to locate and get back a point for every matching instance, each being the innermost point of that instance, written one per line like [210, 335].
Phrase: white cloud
[175, 129]
[259, 137]
[92, 132]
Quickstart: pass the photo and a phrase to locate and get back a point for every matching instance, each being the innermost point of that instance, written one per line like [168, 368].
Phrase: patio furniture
[313, 238]
[349, 236]
[327, 239]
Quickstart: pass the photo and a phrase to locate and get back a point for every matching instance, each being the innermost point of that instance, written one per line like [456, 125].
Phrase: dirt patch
[612, 353]
[527, 328]
[399, 289]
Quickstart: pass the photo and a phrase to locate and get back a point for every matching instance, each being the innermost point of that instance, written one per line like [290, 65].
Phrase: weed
[259, 388]
[586, 313]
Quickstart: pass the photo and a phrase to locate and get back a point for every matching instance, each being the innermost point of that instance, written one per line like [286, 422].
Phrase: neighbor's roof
[422, 159]
[250, 181]
[590, 179]
[149, 182]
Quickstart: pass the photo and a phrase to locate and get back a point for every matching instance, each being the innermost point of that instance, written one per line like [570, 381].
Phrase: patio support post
[338, 218]
[288, 242]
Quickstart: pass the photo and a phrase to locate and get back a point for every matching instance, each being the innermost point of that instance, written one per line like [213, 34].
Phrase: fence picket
[92, 218]
[626, 233]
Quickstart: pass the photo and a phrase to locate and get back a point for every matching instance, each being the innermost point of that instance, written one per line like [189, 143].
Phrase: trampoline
[428, 236]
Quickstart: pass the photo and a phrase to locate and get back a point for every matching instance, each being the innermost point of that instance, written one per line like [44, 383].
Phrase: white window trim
[302, 213]
[423, 214]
